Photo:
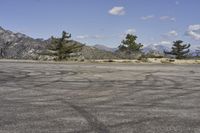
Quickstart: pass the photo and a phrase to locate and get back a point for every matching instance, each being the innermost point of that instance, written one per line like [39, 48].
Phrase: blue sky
[105, 21]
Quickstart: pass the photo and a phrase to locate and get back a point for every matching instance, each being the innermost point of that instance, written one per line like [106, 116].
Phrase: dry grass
[141, 61]
[151, 61]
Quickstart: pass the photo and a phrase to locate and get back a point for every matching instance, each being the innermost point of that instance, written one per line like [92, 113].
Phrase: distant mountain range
[156, 48]
[20, 46]
[146, 49]
[105, 48]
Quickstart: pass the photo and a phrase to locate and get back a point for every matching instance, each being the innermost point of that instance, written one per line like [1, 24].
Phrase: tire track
[94, 123]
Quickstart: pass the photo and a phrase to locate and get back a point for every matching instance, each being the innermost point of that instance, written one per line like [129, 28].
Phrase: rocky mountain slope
[19, 46]
[94, 53]
[105, 48]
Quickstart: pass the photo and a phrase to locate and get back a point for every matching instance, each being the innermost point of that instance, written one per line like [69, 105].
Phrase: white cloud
[194, 27]
[165, 42]
[130, 31]
[83, 37]
[169, 35]
[98, 37]
[173, 33]
[194, 31]
[118, 10]
[165, 18]
[147, 17]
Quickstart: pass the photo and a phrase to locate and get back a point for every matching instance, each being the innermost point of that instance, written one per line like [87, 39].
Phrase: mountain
[156, 48]
[19, 46]
[95, 53]
[105, 48]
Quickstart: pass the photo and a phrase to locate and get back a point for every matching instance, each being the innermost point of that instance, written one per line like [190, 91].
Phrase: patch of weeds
[126, 61]
[197, 61]
[110, 60]
[165, 61]
[171, 60]
[143, 59]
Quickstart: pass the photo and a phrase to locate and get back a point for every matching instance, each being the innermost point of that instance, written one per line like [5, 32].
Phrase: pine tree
[61, 42]
[129, 45]
[62, 46]
[179, 49]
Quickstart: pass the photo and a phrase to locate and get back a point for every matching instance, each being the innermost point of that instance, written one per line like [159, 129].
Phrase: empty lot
[99, 98]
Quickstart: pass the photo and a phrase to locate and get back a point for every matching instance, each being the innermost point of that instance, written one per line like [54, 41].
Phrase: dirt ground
[99, 98]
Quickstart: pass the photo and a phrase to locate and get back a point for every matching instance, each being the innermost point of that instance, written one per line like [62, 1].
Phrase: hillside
[20, 46]
[105, 48]
[94, 53]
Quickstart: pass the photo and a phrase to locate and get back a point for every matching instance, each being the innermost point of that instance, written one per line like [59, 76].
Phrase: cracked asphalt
[99, 98]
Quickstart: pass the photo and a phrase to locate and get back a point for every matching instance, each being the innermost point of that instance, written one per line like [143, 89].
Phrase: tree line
[128, 46]
[179, 49]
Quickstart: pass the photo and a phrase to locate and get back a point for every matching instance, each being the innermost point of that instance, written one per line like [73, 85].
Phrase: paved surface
[89, 98]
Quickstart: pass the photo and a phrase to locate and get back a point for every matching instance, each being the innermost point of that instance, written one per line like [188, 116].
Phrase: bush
[143, 58]
[110, 60]
[167, 61]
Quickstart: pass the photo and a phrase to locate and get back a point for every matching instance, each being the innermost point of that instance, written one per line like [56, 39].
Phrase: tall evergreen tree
[62, 46]
[61, 43]
[129, 45]
[179, 50]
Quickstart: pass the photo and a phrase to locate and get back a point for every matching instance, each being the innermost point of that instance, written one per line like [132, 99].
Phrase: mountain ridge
[156, 48]
[20, 46]
[105, 48]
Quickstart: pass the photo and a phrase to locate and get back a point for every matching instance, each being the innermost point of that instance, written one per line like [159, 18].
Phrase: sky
[105, 21]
